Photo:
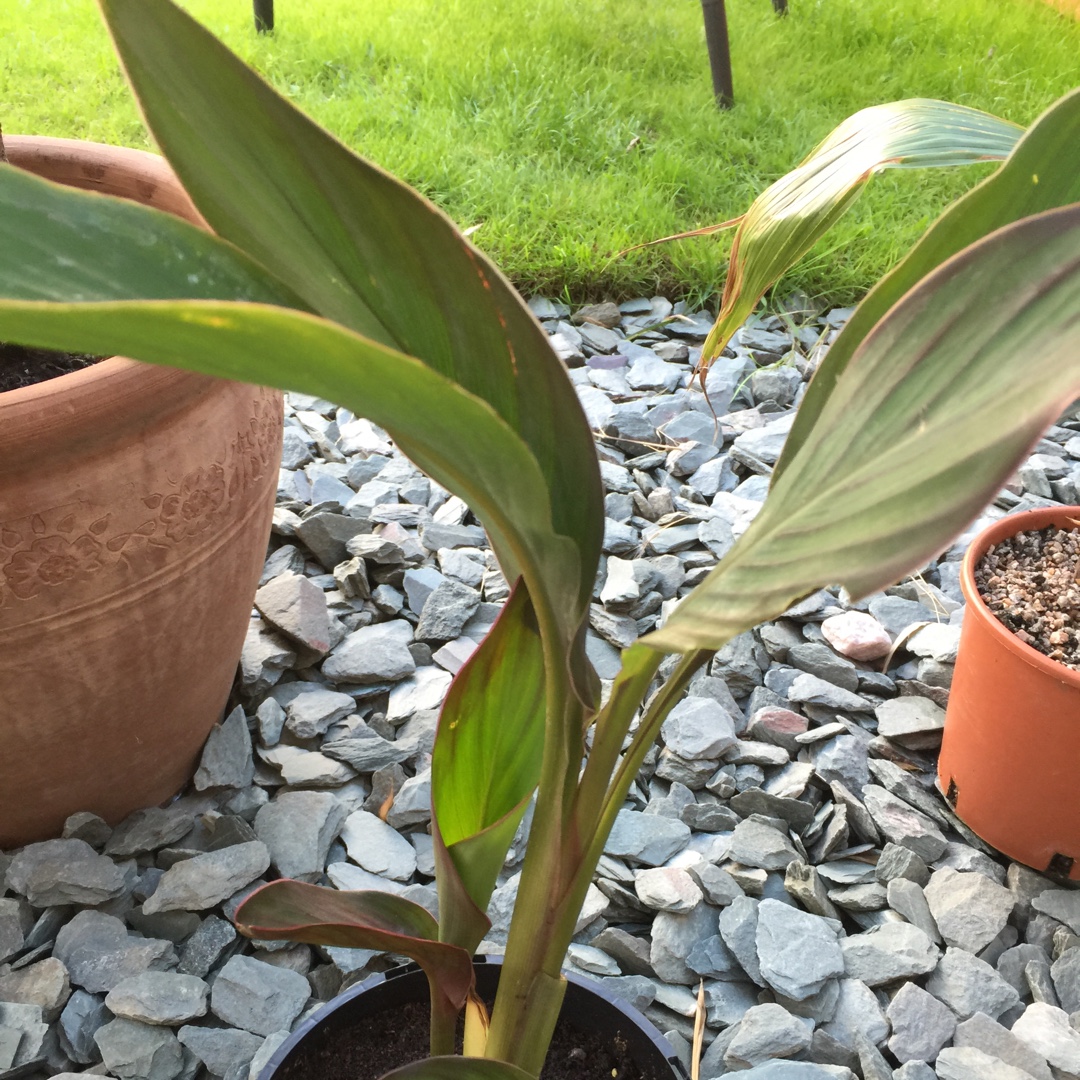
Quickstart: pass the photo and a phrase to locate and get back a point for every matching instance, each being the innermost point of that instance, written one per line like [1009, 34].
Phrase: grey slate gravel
[64, 872]
[798, 952]
[969, 909]
[205, 880]
[744, 854]
[258, 997]
[134, 1051]
[100, 953]
[159, 997]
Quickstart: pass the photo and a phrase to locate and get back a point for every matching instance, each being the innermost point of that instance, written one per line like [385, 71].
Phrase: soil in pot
[397, 1037]
[1029, 582]
[21, 365]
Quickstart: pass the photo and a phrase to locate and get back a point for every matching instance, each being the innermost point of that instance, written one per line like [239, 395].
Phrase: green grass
[568, 129]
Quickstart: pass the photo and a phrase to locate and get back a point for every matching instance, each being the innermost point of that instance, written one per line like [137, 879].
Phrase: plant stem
[530, 988]
[563, 851]
[524, 1016]
[444, 1018]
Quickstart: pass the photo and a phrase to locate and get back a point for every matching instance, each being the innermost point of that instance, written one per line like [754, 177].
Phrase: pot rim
[1010, 525]
[591, 986]
[85, 396]
[61, 153]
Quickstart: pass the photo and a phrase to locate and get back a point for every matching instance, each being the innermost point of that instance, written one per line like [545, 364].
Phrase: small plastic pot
[1010, 755]
[586, 1006]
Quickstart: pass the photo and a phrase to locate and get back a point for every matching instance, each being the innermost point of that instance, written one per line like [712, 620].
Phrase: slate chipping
[793, 755]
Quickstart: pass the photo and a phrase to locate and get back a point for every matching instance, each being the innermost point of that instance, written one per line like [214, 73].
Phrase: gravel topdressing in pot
[1029, 582]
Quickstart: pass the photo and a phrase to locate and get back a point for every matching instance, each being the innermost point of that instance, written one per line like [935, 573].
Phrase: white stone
[857, 1012]
[969, 1063]
[307, 768]
[667, 889]
[798, 952]
[1046, 1029]
[424, 690]
[377, 847]
[766, 1032]
[921, 1025]
[970, 910]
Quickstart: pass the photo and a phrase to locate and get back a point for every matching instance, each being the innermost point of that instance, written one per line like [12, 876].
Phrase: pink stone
[777, 726]
[856, 635]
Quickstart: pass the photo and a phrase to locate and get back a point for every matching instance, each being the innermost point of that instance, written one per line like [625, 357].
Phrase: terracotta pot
[309, 1052]
[1010, 756]
[135, 506]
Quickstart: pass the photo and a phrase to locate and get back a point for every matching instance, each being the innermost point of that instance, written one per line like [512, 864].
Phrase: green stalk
[555, 880]
[444, 1018]
[664, 700]
[612, 724]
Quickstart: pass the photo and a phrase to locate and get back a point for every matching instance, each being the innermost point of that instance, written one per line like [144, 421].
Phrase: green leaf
[942, 401]
[486, 761]
[491, 733]
[296, 911]
[788, 218]
[459, 1068]
[60, 244]
[1042, 172]
[364, 249]
[453, 436]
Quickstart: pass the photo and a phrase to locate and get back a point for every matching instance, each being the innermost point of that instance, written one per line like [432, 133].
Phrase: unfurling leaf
[788, 218]
[1042, 173]
[477, 1022]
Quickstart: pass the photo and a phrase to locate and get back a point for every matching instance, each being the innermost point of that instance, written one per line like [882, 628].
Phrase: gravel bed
[784, 842]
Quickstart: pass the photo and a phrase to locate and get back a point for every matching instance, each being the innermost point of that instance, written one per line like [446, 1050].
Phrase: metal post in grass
[264, 16]
[780, 6]
[716, 38]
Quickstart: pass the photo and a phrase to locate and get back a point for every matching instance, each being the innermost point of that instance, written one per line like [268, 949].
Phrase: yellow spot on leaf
[219, 322]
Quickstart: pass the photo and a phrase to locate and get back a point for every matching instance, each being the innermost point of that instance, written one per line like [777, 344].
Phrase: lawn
[568, 129]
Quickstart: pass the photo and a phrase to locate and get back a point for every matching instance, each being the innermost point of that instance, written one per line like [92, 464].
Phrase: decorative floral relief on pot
[71, 543]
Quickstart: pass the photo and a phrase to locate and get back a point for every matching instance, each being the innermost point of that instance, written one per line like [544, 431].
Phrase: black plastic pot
[586, 1007]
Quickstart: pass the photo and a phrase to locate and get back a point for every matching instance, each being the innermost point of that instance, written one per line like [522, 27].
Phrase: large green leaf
[60, 244]
[449, 432]
[1042, 172]
[296, 911]
[937, 407]
[364, 249]
[486, 760]
[788, 218]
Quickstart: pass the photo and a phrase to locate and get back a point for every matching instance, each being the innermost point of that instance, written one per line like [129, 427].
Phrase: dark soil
[1030, 583]
[399, 1036]
[22, 366]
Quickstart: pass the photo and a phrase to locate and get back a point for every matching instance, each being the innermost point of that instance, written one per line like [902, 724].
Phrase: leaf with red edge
[296, 911]
[940, 404]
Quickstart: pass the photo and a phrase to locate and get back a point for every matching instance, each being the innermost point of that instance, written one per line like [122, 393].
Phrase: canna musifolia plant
[328, 276]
